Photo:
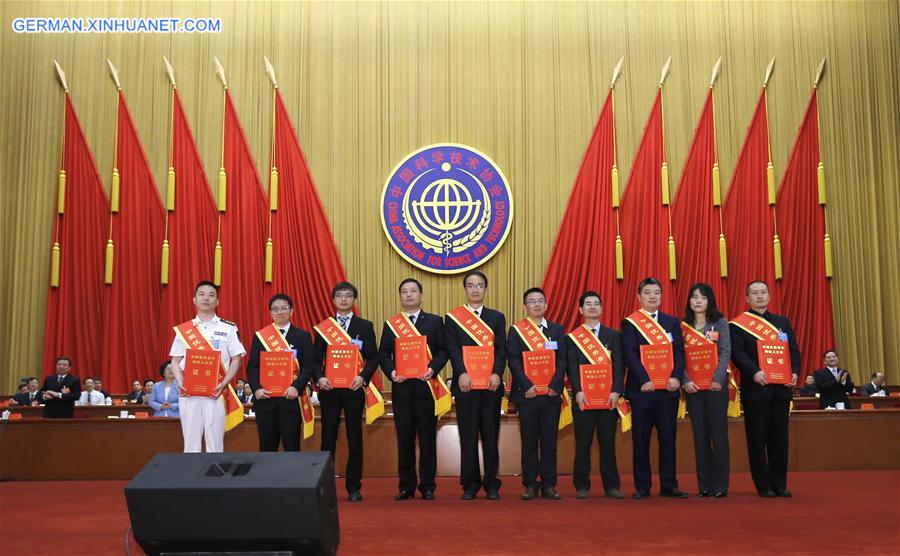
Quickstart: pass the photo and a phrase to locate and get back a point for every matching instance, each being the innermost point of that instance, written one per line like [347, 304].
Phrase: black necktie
[412, 319]
[344, 322]
[478, 312]
[281, 330]
[59, 379]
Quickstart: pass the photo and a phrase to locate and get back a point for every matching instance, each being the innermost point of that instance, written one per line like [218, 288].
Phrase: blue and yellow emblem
[446, 208]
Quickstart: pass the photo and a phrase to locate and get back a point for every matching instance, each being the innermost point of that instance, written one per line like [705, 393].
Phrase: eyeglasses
[475, 286]
[280, 309]
[345, 295]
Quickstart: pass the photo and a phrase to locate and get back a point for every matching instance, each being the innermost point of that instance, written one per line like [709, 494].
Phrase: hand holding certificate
[596, 383]
[201, 372]
[276, 371]
[659, 362]
[341, 365]
[479, 363]
[540, 367]
[411, 356]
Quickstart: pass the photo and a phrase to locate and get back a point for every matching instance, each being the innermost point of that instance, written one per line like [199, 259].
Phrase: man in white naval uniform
[204, 417]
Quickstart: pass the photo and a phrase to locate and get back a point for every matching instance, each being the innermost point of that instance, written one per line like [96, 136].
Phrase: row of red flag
[114, 317]
[751, 234]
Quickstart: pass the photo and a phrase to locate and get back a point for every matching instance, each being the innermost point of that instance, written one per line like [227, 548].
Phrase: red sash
[756, 326]
[476, 328]
[590, 345]
[649, 328]
[334, 335]
[531, 334]
[403, 328]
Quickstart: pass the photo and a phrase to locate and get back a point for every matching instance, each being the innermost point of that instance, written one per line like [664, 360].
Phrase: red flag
[695, 220]
[583, 256]
[805, 289]
[748, 218]
[191, 227]
[75, 309]
[306, 262]
[644, 219]
[242, 297]
[132, 301]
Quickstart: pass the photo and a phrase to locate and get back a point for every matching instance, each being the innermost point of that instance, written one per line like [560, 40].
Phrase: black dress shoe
[704, 494]
[493, 495]
[674, 493]
[615, 494]
[404, 495]
[530, 493]
[783, 493]
[550, 493]
[720, 495]
[767, 494]
[469, 495]
[640, 495]
[355, 496]
[428, 495]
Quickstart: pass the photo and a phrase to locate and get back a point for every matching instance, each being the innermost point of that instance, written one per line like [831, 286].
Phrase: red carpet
[844, 512]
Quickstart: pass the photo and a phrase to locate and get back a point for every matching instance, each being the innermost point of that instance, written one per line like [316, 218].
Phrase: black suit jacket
[298, 339]
[430, 326]
[830, 390]
[746, 359]
[870, 390]
[64, 406]
[457, 338]
[610, 339]
[360, 329]
[632, 340]
[520, 383]
[25, 399]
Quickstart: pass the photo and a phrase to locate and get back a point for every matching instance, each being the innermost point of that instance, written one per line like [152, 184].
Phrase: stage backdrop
[366, 83]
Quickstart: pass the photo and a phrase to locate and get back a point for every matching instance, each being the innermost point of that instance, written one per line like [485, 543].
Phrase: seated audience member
[137, 392]
[876, 386]
[23, 387]
[148, 389]
[249, 398]
[809, 388]
[833, 383]
[164, 396]
[31, 394]
[90, 396]
[98, 386]
[239, 387]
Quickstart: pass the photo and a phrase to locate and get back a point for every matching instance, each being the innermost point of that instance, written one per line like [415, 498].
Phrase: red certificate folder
[540, 366]
[658, 361]
[479, 363]
[775, 361]
[596, 383]
[201, 371]
[341, 365]
[411, 356]
[276, 371]
[701, 363]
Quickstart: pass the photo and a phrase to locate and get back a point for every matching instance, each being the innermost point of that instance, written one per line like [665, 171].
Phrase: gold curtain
[368, 82]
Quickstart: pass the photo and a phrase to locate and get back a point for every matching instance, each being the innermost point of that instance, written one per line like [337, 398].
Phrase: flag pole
[221, 196]
[273, 173]
[114, 187]
[614, 173]
[664, 174]
[770, 177]
[56, 251]
[170, 175]
[820, 178]
[716, 180]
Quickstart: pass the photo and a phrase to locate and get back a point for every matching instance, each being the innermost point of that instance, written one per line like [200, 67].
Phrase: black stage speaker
[235, 502]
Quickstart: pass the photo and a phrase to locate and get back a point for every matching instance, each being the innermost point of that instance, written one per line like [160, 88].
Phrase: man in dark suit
[600, 421]
[32, 396]
[60, 391]
[411, 398]
[833, 383]
[876, 386]
[278, 416]
[538, 409]
[477, 411]
[651, 407]
[766, 406]
[351, 401]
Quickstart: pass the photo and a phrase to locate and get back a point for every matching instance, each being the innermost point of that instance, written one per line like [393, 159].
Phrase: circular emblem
[446, 208]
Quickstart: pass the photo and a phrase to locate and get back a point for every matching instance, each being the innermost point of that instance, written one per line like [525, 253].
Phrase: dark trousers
[539, 426]
[351, 403]
[478, 412]
[414, 417]
[603, 421]
[708, 411]
[277, 424]
[766, 425]
[657, 409]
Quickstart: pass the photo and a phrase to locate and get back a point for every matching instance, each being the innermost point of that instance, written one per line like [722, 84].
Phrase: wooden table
[60, 449]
